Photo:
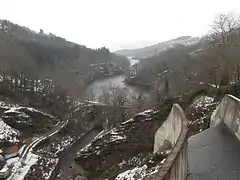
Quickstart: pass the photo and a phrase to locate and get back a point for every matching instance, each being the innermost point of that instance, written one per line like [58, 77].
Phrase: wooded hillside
[47, 56]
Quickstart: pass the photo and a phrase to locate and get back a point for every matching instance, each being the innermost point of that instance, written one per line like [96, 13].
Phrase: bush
[233, 89]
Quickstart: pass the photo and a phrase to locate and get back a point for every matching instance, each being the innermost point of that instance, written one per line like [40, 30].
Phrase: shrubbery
[233, 89]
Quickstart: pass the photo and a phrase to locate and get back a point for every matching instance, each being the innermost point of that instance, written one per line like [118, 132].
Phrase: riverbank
[95, 88]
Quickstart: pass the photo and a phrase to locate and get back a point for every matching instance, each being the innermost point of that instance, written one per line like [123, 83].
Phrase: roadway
[214, 154]
[67, 160]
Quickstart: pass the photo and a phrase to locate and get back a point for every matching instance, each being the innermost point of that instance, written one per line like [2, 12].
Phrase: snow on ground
[66, 142]
[117, 137]
[21, 166]
[6, 105]
[146, 113]
[50, 165]
[20, 109]
[42, 168]
[133, 174]
[128, 121]
[57, 146]
[15, 108]
[88, 146]
[117, 133]
[123, 148]
[214, 86]
[105, 136]
[20, 116]
[8, 133]
[203, 102]
[199, 113]
[138, 173]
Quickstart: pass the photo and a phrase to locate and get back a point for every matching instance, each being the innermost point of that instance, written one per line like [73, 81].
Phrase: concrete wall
[228, 112]
[169, 131]
[178, 165]
[174, 130]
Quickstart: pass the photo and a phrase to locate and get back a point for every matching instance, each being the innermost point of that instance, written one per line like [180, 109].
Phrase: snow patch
[117, 137]
[21, 167]
[19, 109]
[8, 133]
[130, 120]
[133, 174]
[203, 101]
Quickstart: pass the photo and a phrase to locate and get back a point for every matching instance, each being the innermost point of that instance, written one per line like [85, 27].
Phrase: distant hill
[155, 49]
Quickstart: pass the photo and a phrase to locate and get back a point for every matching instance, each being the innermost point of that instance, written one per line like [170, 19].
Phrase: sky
[117, 24]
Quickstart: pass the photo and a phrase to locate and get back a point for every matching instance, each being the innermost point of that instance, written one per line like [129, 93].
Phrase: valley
[69, 112]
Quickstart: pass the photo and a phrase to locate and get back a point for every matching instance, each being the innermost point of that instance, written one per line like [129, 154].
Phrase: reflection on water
[96, 88]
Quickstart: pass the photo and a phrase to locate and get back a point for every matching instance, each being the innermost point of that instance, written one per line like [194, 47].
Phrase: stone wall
[228, 112]
[173, 130]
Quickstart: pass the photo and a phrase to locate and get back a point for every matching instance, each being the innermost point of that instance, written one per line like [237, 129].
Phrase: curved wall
[173, 130]
[228, 112]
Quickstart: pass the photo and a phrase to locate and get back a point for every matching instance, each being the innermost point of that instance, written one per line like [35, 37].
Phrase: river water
[96, 88]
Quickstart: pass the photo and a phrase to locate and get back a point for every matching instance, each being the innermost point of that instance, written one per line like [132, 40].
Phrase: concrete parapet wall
[169, 130]
[228, 112]
[173, 130]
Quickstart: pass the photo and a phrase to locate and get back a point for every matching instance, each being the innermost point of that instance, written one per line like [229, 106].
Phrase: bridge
[213, 154]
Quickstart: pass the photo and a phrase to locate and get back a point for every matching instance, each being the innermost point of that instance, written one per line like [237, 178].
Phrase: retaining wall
[173, 130]
[228, 112]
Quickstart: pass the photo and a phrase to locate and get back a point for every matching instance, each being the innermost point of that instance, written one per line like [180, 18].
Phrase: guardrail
[228, 112]
[173, 130]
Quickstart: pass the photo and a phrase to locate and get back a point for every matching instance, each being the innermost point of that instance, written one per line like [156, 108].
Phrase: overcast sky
[117, 23]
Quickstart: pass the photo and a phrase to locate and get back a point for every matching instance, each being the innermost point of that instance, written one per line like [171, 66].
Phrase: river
[96, 88]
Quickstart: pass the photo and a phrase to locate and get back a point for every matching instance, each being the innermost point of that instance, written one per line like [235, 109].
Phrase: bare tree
[138, 102]
[223, 43]
[117, 99]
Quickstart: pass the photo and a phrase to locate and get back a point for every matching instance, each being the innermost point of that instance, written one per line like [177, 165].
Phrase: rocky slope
[26, 119]
[25, 127]
[125, 151]
[199, 113]
[19, 122]
[126, 148]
